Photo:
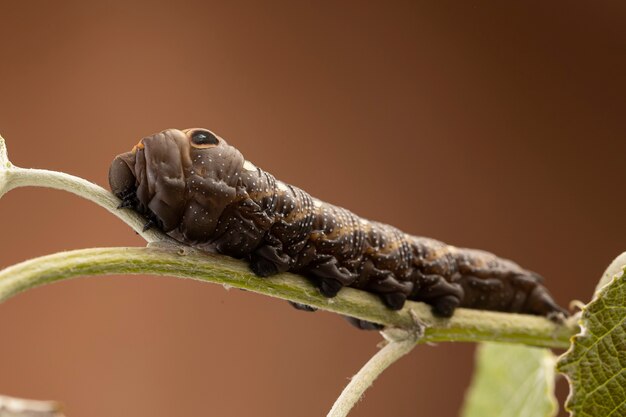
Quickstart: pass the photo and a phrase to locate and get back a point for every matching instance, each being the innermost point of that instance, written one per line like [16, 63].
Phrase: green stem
[14, 177]
[366, 376]
[465, 326]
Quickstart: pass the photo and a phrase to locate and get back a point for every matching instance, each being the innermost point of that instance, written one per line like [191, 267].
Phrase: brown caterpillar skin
[202, 192]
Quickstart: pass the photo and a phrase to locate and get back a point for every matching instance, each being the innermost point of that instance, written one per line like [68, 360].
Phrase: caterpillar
[201, 191]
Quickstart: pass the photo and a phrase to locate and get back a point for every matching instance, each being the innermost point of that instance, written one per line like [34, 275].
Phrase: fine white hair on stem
[12, 177]
[399, 343]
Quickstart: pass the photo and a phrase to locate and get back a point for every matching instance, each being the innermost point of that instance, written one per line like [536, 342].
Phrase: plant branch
[399, 344]
[13, 177]
[183, 262]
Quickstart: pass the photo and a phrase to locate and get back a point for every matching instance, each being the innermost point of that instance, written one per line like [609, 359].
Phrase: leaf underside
[512, 381]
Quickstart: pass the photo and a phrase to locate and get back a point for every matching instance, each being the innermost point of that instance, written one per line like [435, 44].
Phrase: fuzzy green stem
[366, 376]
[465, 326]
[13, 177]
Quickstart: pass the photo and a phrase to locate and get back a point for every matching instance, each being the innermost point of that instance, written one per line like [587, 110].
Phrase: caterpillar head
[178, 178]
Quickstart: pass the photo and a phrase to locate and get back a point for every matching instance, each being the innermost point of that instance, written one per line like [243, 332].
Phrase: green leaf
[595, 364]
[512, 381]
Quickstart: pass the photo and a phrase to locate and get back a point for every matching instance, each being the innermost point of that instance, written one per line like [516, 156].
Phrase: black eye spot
[202, 137]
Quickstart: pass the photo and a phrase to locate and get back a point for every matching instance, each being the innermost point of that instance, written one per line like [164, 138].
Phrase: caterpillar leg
[443, 296]
[394, 300]
[302, 307]
[261, 266]
[358, 323]
[330, 277]
[444, 306]
[268, 260]
[391, 291]
[363, 324]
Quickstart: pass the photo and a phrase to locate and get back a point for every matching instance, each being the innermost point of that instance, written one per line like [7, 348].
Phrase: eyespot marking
[202, 138]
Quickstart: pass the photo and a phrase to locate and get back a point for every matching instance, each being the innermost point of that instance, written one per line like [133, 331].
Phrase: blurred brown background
[485, 125]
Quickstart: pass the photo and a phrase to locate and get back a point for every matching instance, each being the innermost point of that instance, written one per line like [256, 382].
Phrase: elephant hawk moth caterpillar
[202, 192]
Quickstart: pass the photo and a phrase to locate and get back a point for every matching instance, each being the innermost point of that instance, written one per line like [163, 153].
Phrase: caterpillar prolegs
[202, 192]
